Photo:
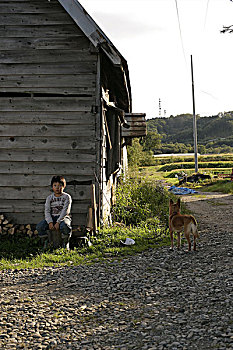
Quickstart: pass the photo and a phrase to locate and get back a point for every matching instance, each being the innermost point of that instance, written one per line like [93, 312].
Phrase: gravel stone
[159, 299]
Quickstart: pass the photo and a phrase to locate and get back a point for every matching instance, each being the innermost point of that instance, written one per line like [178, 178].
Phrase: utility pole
[194, 121]
[159, 108]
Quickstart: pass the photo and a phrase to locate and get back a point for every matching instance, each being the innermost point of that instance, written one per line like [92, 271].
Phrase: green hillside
[215, 134]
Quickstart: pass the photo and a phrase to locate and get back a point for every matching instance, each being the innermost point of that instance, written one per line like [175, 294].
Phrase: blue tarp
[181, 190]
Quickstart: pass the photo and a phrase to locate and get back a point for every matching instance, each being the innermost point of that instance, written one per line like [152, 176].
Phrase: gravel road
[155, 300]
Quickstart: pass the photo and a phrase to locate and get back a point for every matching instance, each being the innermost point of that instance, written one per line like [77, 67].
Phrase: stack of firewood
[7, 227]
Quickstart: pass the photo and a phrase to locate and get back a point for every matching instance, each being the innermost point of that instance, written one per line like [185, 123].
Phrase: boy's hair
[59, 179]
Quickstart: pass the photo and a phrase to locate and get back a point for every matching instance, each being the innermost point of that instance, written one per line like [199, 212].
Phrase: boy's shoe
[66, 245]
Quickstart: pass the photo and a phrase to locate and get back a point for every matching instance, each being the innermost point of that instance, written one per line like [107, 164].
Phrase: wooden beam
[53, 143]
[36, 155]
[47, 43]
[79, 104]
[48, 117]
[48, 80]
[41, 30]
[24, 19]
[79, 67]
[45, 56]
[85, 169]
[46, 130]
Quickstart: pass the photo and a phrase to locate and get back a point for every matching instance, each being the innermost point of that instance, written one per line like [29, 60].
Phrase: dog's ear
[171, 201]
[178, 202]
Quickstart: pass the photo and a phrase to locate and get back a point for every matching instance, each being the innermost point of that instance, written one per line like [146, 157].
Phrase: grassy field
[167, 169]
[202, 158]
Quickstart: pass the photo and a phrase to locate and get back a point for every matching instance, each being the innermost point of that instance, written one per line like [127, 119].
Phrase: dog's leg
[178, 240]
[195, 236]
[187, 236]
[194, 243]
[172, 241]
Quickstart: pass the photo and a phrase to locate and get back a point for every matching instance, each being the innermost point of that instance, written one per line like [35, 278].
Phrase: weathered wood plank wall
[47, 101]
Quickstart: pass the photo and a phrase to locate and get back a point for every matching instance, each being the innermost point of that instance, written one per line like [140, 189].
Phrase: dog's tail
[194, 228]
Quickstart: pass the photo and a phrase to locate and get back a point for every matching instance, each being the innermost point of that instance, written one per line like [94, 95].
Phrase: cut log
[30, 233]
[55, 238]
[11, 231]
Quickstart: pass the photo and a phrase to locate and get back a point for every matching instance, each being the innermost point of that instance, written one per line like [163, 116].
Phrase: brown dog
[179, 222]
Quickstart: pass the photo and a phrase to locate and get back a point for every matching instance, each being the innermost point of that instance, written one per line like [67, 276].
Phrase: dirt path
[214, 211]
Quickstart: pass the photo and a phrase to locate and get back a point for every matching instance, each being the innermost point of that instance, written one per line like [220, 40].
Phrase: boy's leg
[66, 231]
[42, 228]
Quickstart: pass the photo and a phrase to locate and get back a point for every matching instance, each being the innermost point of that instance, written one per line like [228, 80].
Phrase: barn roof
[98, 39]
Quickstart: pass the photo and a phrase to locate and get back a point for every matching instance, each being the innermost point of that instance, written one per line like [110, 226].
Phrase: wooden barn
[65, 109]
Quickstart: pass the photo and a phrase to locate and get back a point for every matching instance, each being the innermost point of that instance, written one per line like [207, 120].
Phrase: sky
[157, 38]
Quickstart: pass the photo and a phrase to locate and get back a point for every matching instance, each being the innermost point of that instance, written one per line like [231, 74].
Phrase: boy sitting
[57, 212]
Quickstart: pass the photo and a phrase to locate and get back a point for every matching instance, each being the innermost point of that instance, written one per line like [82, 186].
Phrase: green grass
[223, 186]
[107, 245]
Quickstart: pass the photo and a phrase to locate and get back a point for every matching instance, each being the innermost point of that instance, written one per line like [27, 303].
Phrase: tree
[138, 157]
[151, 141]
[227, 29]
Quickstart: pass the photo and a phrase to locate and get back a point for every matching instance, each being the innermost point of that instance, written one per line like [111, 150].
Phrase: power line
[209, 94]
[206, 12]
[181, 38]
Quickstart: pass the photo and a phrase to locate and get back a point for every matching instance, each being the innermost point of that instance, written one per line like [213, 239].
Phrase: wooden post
[90, 219]
[55, 238]
[94, 208]
[194, 121]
